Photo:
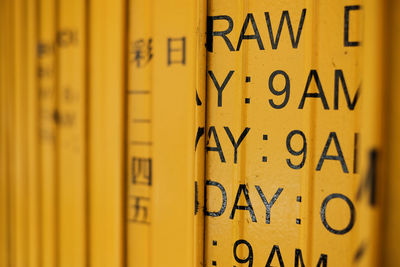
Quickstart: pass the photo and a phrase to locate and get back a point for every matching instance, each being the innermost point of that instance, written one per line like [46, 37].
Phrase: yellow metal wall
[106, 85]
[4, 195]
[199, 133]
[47, 76]
[391, 111]
[177, 72]
[70, 118]
[139, 163]
[20, 181]
[298, 144]
[32, 135]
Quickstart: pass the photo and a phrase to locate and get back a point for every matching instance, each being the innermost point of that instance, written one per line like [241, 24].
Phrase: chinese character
[141, 171]
[142, 52]
[176, 51]
[66, 37]
[44, 48]
[141, 204]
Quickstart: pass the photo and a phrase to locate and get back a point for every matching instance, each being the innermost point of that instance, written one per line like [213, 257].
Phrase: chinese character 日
[176, 50]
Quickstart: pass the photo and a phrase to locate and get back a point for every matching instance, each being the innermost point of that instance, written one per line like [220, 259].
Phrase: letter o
[352, 214]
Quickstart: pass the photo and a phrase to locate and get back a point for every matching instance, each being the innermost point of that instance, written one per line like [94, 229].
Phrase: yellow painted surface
[10, 132]
[200, 58]
[71, 118]
[32, 135]
[372, 181]
[277, 127]
[20, 147]
[124, 143]
[46, 72]
[12, 140]
[391, 204]
[139, 163]
[4, 199]
[175, 78]
[106, 110]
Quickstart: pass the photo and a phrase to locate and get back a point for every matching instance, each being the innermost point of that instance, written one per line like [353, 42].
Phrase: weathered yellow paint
[263, 161]
[46, 71]
[139, 169]
[71, 118]
[174, 129]
[106, 88]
